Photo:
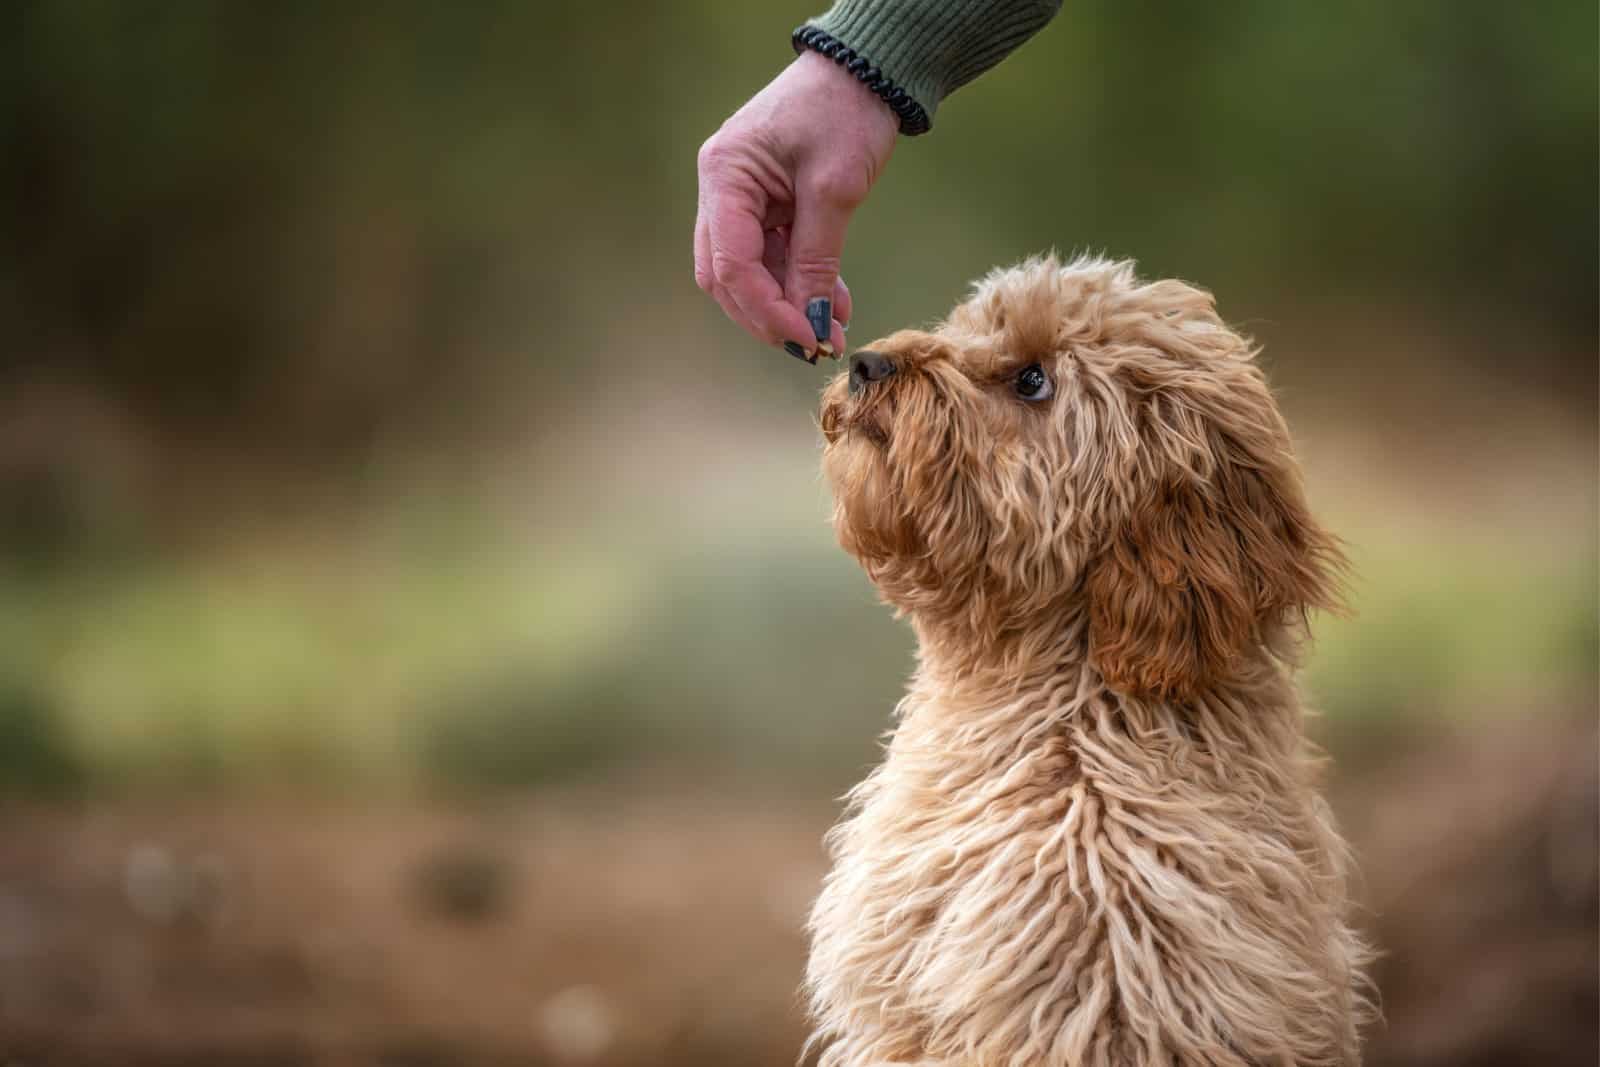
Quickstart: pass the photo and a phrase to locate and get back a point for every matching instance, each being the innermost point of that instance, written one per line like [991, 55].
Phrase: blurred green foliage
[311, 226]
[35, 756]
[1461, 631]
[481, 668]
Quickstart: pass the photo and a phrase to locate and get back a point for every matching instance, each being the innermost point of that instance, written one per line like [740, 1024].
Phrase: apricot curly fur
[1096, 837]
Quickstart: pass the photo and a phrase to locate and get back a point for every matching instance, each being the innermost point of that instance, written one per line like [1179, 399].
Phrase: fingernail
[819, 312]
[798, 353]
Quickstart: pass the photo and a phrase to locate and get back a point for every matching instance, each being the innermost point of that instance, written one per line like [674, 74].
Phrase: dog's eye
[1032, 383]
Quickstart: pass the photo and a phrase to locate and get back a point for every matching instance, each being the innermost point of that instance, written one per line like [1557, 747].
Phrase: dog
[1096, 836]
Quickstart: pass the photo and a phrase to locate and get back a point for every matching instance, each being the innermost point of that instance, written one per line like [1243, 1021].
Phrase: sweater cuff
[926, 48]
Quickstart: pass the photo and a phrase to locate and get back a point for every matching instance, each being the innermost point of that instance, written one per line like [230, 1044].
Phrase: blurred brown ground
[654, 921]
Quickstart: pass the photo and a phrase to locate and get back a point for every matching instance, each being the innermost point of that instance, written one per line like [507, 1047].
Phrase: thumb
[816, 245]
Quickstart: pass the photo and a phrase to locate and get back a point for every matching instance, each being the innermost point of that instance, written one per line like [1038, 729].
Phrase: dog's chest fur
[1047, 876]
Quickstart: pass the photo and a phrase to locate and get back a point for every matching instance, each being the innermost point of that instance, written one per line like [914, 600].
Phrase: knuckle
[838, 185]
[814, 265]
[712, 153]
[725, 269]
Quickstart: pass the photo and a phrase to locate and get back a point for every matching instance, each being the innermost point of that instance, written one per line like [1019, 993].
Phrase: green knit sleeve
[928, 48]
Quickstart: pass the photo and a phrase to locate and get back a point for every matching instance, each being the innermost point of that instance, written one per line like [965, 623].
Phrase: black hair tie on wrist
[913, 118]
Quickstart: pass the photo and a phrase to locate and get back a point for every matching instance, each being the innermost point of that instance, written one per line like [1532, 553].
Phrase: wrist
[818, 48]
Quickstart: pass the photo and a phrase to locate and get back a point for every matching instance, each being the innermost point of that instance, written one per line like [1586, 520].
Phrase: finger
[775, 256]
[702, 233]
[702, 254]
[841, 302]
[703, 278]
[816, 242]
[702, 270]
[775, 251]
[738, 245]
[841, 299]
[734, 312]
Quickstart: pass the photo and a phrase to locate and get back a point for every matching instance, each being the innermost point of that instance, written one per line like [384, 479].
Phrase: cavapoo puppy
[1096, 836]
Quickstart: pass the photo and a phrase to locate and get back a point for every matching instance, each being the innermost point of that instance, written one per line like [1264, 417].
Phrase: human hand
[778, 184]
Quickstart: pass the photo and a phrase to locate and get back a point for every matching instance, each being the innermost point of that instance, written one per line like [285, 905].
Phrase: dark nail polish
[819, 312]
[798, 353]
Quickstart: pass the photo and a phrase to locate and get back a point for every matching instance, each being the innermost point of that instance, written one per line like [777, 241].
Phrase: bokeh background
[421, 640]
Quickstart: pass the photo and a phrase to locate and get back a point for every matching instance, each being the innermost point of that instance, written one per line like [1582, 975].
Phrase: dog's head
[1074, 444]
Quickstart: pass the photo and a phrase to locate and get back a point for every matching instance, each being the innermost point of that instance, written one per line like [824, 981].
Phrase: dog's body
[1096, 837]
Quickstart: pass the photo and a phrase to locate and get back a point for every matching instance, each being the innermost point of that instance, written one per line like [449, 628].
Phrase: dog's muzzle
[868, 367]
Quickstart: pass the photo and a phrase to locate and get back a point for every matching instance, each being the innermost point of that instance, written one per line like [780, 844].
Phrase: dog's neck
[998, 667]
[1021, 679]
[963, 658]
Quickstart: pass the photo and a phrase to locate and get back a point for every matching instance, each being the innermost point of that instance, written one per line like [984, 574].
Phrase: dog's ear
[1202, 570]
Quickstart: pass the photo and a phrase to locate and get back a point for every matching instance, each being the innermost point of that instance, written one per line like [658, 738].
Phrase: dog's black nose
[869, 367]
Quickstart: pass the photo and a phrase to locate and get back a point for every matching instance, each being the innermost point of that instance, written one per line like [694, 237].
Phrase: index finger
[737, 245]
